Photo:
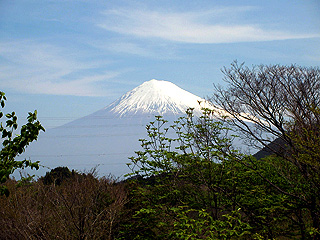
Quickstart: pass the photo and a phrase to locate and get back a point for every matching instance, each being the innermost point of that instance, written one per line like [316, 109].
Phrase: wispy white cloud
[123, 48]
[212, 26]
[31, 67]
[129, 47]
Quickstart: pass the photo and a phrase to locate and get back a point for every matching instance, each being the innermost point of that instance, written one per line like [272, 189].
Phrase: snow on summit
[156, 97]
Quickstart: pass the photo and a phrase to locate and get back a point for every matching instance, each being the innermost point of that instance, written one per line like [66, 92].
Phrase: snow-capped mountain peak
[156, 97]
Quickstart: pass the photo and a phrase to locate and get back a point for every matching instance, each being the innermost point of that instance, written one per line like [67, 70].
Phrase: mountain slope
[109, 136]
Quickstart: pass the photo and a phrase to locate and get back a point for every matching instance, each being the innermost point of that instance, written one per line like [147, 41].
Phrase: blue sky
[69, 58]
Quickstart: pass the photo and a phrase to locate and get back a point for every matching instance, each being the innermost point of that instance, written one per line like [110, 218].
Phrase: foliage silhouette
[13, 145]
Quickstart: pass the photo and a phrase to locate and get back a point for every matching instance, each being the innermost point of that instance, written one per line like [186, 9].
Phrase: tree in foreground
[13, 145]
[265, 103]
[63, 205]
[196, 186]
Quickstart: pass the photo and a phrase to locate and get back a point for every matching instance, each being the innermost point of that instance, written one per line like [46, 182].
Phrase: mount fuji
[155, 97]
[107, 138]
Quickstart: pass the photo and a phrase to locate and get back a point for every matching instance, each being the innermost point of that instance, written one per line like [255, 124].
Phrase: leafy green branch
[15, 144]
